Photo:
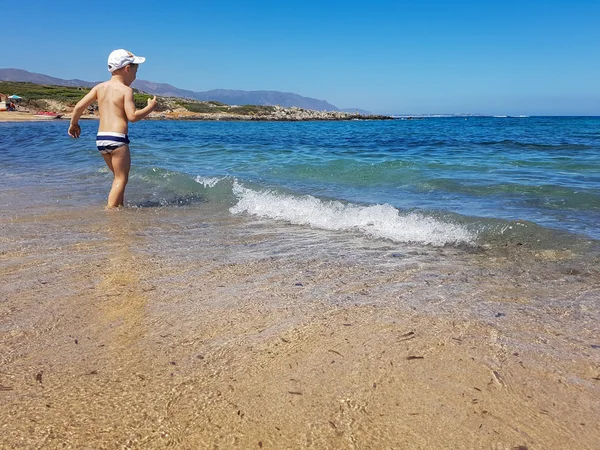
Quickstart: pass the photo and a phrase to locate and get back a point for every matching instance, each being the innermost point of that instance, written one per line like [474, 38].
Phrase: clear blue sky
[419, 56]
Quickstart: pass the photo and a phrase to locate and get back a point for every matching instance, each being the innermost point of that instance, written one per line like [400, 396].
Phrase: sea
[434, 181]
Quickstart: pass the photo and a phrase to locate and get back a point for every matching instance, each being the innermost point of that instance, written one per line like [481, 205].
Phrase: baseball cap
[121, 58]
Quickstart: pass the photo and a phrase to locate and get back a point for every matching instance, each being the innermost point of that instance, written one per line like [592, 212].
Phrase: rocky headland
[61, 100]
[258, 113]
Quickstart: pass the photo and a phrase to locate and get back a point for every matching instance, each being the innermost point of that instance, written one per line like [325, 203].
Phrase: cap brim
[138, 59]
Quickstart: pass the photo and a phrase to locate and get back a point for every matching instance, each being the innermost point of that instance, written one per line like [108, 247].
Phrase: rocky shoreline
[277, 114]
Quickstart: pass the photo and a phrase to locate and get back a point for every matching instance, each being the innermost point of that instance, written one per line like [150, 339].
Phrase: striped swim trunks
[107, 141]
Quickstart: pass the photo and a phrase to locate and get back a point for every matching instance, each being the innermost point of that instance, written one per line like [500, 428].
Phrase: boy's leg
[108, 160]
[119, 162]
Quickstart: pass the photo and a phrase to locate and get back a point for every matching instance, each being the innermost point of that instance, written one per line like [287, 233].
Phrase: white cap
[121, 58]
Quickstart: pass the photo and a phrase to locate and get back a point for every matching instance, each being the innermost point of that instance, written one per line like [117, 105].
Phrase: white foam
[207, 182]
[380, 221]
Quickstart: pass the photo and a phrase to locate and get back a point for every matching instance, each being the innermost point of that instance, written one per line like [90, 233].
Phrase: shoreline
[17, 116]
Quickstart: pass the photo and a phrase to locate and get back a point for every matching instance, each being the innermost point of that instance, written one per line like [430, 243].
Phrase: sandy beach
[115, 335]
[18, 116]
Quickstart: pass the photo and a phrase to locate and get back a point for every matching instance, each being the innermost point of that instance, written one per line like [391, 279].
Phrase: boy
[116, 108]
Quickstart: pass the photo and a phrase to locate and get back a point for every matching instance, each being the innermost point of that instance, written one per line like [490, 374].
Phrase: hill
[38, 78]
[226, 96]
[62, 99]
[265, 98]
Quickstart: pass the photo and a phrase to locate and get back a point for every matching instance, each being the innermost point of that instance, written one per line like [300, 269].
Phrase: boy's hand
[74, 130]
[152, 103]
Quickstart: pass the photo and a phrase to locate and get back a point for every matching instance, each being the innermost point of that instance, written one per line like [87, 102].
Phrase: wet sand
[136, 329]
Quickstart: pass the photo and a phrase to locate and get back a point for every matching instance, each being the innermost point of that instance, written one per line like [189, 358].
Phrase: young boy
[116, 108]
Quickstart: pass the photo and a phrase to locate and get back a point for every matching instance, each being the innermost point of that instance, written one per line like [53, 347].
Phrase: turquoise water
[437, 181]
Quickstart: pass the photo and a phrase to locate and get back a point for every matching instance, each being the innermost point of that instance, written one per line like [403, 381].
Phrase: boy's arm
[134, 115]
[80, 107]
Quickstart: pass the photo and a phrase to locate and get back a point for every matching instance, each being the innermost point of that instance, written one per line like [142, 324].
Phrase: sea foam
[379, 221]
[207, 182]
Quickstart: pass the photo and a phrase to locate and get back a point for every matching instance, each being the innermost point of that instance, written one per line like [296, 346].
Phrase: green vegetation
[31, 92]
[218, 107]
[35, 94]
[252, 110]
[202, 107]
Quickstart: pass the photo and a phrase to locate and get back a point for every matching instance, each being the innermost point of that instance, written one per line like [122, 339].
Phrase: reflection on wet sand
[122, 310]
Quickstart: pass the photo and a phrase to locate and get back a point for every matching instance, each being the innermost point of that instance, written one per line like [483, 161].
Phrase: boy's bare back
[114, 98]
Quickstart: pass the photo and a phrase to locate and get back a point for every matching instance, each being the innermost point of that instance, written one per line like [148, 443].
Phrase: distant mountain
[237, 97]
[286, 99]
[38, 78]
[162, 89]
[229, 97]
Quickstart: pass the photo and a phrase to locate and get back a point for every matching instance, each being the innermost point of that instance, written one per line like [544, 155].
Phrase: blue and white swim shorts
[107, 141]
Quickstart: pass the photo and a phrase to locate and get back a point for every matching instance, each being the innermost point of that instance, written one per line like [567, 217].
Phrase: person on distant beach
[116, 108]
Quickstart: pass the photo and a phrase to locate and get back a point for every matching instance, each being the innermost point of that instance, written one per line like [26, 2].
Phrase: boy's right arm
[134, 115]
[80, 107]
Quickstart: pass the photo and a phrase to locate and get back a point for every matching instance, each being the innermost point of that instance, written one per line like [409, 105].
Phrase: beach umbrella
[15, 97]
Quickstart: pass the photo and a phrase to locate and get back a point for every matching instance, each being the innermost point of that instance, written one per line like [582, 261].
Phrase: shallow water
[435, 181]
